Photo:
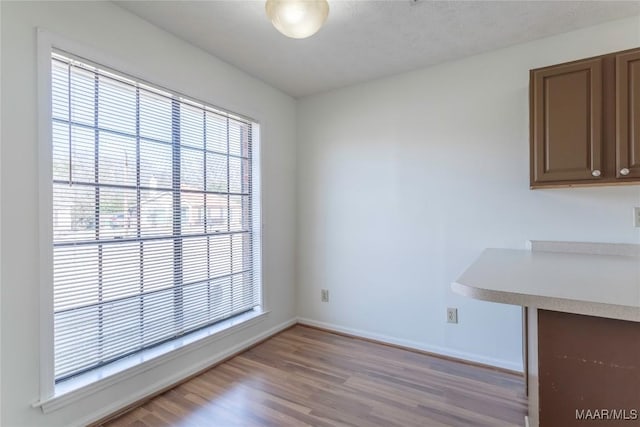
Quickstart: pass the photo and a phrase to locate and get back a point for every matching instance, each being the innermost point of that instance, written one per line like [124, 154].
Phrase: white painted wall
[165, 60]
[403, 181]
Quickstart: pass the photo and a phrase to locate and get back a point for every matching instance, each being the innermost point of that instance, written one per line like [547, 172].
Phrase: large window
[155, 215]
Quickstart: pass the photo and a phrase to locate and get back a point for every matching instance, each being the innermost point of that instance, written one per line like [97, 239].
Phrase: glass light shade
[297, 19]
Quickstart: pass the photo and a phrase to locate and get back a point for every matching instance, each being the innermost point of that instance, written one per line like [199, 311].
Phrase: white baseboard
[471, 357]
[178, 376]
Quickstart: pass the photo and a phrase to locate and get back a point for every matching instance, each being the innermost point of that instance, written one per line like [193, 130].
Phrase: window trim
[79, 387]
[50, 397]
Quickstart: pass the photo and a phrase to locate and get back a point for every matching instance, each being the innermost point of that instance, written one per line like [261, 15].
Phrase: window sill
[73, 389]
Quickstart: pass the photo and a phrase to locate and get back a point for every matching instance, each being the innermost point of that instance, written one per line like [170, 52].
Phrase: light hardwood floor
[305, 376]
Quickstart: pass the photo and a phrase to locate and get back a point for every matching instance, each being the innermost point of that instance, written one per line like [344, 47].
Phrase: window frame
[52, 395]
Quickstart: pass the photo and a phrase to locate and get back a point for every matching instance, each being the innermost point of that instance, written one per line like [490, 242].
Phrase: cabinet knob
[596, 173]
[624, 171]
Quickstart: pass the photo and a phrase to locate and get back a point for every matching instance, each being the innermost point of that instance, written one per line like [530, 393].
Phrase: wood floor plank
[307, 377]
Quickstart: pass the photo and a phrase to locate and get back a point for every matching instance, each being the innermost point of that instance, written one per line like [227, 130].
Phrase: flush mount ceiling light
[297, 19]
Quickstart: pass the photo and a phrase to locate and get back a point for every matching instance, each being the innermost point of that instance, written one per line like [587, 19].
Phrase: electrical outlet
[324, 295]
[452, 315]
[636, 217]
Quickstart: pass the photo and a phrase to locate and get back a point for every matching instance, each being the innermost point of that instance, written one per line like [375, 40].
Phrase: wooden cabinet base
[589, 371]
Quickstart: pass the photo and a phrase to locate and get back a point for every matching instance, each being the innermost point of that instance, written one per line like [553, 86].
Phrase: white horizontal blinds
[153, 216]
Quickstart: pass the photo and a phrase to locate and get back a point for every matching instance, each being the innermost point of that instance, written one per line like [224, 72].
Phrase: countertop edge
[587, 308]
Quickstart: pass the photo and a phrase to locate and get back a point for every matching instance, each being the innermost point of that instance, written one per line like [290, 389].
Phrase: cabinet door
[628, 115]
[566, 120]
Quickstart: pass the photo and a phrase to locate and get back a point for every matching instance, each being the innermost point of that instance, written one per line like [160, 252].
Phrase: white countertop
[595, 285]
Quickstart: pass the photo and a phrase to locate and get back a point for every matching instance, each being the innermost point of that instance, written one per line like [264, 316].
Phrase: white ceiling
[364, 40]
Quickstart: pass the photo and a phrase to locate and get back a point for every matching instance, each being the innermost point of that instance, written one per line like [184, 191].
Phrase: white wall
[403, 181]
[170, 62]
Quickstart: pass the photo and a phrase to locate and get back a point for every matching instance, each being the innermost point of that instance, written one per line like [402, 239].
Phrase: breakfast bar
[581, 322]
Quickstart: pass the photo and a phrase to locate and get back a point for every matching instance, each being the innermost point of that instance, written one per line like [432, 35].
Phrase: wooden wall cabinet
[628, 114]
[585, 122]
